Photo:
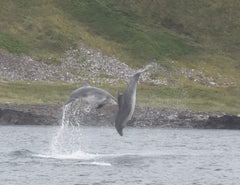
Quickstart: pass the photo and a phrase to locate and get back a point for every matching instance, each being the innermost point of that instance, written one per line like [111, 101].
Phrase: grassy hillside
[200, 35]
[50, 27]
[139, 30]
[187, 97]
[197, 35]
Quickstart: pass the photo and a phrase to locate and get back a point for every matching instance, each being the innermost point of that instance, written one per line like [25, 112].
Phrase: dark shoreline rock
[13, 117]
[224, 122]
[27, 114]
[43, 114]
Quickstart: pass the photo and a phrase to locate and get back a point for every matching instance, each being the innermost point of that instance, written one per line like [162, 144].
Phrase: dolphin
[127, 101]
[92, 95]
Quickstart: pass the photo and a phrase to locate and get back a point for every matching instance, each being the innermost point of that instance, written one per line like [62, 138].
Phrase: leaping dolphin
[127, 101]
[92, 95]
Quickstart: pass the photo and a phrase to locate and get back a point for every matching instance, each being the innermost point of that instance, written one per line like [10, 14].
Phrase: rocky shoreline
[11, 114]
[87, 64]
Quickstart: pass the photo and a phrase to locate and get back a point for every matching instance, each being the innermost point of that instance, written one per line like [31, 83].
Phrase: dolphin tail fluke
[145, 68]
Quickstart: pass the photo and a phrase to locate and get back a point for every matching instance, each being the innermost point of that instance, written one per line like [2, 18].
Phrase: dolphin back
[92, 95]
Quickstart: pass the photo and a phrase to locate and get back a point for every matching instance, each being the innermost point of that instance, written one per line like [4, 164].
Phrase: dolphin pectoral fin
[100, 106]
[119, 95]
[120, 100]
[131, 121]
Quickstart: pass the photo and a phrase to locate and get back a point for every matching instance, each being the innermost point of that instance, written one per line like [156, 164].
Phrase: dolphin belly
[126, 110]
[93, 99]
[127, 101]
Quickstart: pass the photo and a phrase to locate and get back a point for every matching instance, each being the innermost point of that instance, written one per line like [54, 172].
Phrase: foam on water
[81, 157]
[101, 164]
[76, 155]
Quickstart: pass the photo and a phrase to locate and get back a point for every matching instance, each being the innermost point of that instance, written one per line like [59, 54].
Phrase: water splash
[67, 140]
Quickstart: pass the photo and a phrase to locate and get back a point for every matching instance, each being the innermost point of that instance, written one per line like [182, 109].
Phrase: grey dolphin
[127, 101]
[92, 95]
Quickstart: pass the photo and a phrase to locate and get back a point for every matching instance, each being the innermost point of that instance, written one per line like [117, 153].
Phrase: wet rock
[143, 117]
[13, 117]
[223, 122]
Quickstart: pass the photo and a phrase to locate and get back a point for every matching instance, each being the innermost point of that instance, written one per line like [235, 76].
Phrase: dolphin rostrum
[92, 95]
[127, 101]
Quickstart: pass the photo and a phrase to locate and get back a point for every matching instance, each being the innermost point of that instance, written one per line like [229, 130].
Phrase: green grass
[39, 25]
[217, 99]
[54, 26]
[28, 93]
[213, 24]
[135, 32]
[140, 42]
[196, 98]
[12, 44]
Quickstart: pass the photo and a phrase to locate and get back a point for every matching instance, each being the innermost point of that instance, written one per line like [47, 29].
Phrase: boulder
[13, 117]
[223, 122]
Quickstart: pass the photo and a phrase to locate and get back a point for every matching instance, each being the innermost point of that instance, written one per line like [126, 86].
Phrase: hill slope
[196, 42]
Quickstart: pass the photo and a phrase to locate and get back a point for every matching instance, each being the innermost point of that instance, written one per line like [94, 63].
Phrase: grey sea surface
[98, 155]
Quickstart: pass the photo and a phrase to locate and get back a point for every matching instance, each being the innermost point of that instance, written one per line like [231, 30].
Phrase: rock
[77, 65]
[224, 122]
[12, 117]
[143, 117]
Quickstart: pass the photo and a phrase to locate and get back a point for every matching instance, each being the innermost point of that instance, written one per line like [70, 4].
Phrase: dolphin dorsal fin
[85, 83]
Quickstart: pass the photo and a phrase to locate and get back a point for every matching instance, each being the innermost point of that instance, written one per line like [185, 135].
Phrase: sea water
[101, 156]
